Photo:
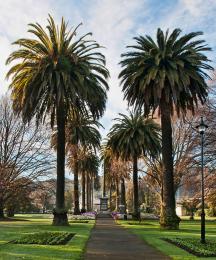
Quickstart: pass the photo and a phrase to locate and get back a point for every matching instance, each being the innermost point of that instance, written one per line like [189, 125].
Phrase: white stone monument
[103, 204]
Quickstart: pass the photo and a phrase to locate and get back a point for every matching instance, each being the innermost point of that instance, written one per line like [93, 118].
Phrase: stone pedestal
[122, 209]
[104, 204]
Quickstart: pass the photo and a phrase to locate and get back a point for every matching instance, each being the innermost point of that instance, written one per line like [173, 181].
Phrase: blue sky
[113, 22]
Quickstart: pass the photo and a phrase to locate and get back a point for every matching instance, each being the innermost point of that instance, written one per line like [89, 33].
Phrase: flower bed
[84, 216]
[193, 246]
[117, 215]
[79, 221]
[139, 223]
[45, 238]
[149, 216]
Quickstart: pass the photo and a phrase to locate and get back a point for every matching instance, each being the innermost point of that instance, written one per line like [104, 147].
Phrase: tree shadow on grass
[12, 219]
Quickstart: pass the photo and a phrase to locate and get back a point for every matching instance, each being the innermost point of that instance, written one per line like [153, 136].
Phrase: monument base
[104, 204]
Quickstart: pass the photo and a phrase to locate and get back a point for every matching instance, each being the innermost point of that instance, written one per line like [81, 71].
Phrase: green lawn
[36, 223]
[151, 233]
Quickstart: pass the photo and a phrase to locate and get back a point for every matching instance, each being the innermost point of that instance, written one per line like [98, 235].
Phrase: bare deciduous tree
[24, 152]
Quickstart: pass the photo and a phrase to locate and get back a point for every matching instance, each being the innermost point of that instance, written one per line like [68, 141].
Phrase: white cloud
[112, 23]
[197, 8]
[14, 17]
[5, 49]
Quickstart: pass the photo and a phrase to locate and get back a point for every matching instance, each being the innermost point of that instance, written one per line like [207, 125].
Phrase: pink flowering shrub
[115, 214]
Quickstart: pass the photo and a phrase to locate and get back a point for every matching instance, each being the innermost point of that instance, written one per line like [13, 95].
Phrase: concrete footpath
[111, 241]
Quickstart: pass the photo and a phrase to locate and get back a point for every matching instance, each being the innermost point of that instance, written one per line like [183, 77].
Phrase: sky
[113, 23]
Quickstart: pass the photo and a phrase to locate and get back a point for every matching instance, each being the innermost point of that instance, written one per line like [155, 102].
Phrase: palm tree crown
[90, 163]
[134, 136]
[172, 68]
[54, 68]
[83, 131]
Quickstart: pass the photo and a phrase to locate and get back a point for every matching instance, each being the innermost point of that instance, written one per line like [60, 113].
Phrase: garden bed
[45, 238]
[193, 246]
[84, 216]
[78, 221]
[140, 223]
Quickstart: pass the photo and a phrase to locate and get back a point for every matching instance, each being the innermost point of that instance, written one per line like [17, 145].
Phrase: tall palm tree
[54, 75]
[167, 74]
[129, 138]
[82, 135]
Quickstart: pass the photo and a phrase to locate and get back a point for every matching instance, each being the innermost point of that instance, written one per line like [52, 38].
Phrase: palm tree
[106, 155]
[115, 170]
[119, 170]
[129, 138]
[81, 135]
[54, 75]
[169, 75]
[92, 169]
[89, 166]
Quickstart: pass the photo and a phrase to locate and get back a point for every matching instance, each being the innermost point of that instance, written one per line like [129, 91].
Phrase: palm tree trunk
[76, 185]
[104, 182]
[110, 196]
[10, 212]
[161, 198]
[88, 194]
[117, 196]
[168, 218]
[83, 192]
[92, 194]
[135, 189]
[1, 210]
[60, 213]
[123, 196]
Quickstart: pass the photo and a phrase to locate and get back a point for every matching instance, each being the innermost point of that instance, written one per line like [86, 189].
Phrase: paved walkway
[111, 241]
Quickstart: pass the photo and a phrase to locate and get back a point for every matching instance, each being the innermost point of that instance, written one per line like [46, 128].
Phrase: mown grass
[12, 230]
[150, 232]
